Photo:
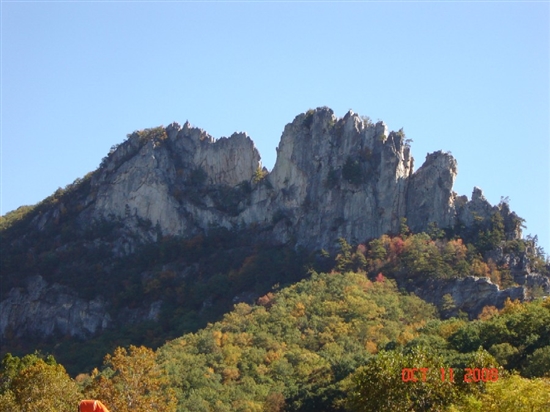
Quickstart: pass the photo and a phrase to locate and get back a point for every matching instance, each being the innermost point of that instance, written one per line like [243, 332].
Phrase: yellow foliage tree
[138, 384]
[488, 312]
[512, 306]
[41, 387]
[512, 394]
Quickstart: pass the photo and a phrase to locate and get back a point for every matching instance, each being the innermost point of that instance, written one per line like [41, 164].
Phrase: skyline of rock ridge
[333, 177]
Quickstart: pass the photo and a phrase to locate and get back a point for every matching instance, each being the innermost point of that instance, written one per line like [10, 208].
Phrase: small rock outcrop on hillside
[41, 310]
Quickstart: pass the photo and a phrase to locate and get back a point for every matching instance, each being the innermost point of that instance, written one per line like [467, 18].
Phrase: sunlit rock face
[339, 178]
[148, 178]
[430, 197]
[333, 177]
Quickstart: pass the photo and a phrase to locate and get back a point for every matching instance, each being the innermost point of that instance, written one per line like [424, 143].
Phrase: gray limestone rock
[332, 178]
[430, 197]
[477, 208]
[339, 178]
[44, 310]
[470, 294]
[153, 178]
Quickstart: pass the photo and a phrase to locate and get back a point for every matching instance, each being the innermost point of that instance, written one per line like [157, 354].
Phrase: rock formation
[42, 310]
[150, 177]
[469, 295]
[333, 177]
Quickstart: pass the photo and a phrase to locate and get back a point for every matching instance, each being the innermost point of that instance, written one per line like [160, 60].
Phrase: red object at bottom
[92, 406]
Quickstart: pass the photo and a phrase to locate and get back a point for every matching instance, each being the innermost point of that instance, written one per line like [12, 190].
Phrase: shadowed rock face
[332, 178]
[470, 294]
[43, 310]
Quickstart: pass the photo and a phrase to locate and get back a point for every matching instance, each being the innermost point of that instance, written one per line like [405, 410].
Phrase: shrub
[332, 179]
[198, 177]
[259, 175]
[352, 172]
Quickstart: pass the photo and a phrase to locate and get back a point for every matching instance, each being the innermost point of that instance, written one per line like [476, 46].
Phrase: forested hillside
[343, 340]
[334, 342]
[194, 281]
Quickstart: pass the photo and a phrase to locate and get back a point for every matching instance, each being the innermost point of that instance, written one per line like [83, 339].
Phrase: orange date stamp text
[470, 375]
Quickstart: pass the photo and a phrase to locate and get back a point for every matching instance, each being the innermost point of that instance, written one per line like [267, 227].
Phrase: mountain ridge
[356, 175]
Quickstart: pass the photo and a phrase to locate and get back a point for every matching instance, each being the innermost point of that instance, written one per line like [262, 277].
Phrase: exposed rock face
[431, 185]
[133, 316]
[333, 178]
[470, 294]
[44, 310]
[147, 177]
[339, 178]
[478, 206]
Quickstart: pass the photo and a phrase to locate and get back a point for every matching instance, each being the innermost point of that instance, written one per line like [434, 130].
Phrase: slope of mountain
[175, 220]
[333, 342]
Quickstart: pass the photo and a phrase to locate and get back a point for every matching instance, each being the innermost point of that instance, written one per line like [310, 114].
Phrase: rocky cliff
[333, 178]
[471, 294]
[40, 310]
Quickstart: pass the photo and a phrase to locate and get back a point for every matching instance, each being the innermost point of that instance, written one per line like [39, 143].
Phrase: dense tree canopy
[334, 342]
[132, 381]
[296, 345]
[33, 383]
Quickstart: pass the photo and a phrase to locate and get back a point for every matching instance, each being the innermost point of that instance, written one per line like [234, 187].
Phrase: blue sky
[467, 77]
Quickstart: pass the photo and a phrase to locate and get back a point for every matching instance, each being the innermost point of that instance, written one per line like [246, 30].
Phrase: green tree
[493, 236]
[497, 228]
[344, 261]
[538, 363]
[352, 172]
[404, 230]
[34, 384]
[448, 306]
[377, 249]
[434, 231]
[380, 386]
[503, 352]
[509, 394]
